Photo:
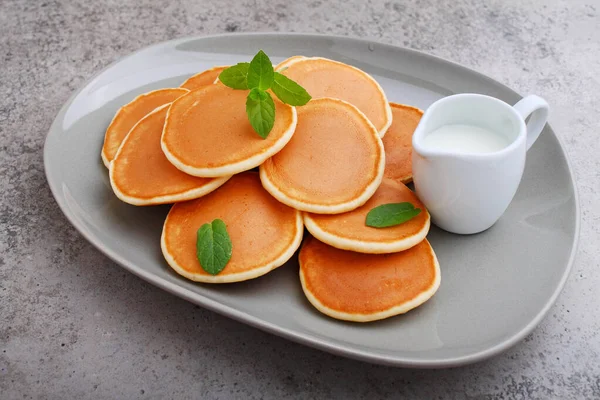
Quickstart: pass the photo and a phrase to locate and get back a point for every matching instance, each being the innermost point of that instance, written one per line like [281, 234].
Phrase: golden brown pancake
[264, 233]
[204, 78]
[207, 132]
[128, 115]
[367, 287]
[348, 230]
[327, 78]
[398, 142]
[141, 175]
[333, 163]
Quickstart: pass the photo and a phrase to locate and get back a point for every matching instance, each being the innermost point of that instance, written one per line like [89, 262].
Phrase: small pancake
[327, 78]
[129, 115]
[204, 78]
[367, 287]
[398, 142]
[348, 231]
[334, 162]
[207, 132]
[141, 175]
[264, 233]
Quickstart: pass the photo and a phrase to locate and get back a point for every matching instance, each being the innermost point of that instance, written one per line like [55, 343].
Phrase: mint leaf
[260, 72]
[289, 91]
[391, 214]
[261, 111]
[213, 246]
[235, 76]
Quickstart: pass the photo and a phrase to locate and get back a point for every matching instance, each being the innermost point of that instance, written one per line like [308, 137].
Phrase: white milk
[465, 139]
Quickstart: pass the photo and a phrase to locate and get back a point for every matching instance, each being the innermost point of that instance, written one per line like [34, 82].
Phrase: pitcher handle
[537, 108]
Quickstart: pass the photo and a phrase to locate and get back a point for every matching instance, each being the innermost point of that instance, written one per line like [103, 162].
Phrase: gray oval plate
[496, 286]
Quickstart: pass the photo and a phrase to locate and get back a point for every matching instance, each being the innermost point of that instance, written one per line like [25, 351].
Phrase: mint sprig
[213, 246]
[258, 76]
[391, 214]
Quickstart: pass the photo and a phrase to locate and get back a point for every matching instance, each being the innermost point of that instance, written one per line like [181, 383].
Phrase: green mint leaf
[213, 246]
[261, 111]
[236, 76]
[260, 72]
[392, 214]
[289, 91]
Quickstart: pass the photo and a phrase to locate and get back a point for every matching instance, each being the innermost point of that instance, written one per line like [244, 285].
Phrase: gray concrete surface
[75, 325]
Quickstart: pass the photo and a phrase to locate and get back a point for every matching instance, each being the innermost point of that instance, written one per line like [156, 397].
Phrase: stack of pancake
[323, 166]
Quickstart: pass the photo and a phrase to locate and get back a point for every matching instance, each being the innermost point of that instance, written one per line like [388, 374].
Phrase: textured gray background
[75, 325]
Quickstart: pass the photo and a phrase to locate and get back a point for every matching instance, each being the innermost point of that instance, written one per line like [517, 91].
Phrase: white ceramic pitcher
[468, 192]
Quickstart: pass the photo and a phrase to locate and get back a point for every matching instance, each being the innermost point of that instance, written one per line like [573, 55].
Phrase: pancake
[367, 287]
[398, 142]
[348, 231]
[204, 78]
[327, 78]
[264, 233]
[207, 132]
[333, 164]
[128, 115]
[285, 63]
[141, 175]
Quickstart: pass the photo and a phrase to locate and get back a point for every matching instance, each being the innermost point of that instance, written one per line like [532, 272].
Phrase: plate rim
[309, 339]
